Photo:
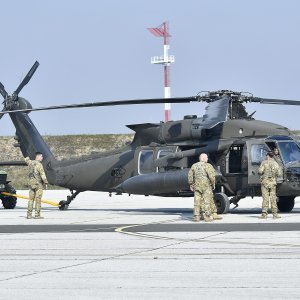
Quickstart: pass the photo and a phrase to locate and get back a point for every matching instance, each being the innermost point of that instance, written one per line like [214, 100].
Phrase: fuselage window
[258, 153]
[163, 153]
[146, 161]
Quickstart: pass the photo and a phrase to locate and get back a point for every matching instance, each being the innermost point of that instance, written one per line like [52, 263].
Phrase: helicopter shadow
[257, 211]
[143, 211]
[182, 213]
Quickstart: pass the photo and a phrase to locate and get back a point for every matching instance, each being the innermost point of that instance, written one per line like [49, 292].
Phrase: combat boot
[196, 219]
[276, 216]
[208, 218]
[263, 216]
[29, 217]
[216, 216]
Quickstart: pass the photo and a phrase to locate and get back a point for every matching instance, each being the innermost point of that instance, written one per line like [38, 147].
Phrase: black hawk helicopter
[158, 159]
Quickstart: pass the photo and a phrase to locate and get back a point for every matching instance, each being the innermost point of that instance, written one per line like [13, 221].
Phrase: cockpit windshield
[289, 151]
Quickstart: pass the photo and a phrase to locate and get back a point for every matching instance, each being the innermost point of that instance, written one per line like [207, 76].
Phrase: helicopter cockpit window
[290, 151]
[146, 161]
[258, 153]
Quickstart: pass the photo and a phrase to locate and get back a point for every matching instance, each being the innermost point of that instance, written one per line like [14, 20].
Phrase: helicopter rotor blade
[148, 101]
[2, 113]
[3, 91]
[112, 103]
[275, 101]
[26, 79]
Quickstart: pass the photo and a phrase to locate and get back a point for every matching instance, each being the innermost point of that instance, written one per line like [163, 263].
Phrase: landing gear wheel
[9, 202]
[286, 203]
[63, 205]
[222, 203]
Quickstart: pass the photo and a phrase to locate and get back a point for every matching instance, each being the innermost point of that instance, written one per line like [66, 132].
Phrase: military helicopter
[158, 159]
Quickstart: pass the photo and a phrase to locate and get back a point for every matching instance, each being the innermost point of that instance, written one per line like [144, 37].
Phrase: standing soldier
[269, 170]
[37, 179]
[202, 177]
[277, 157]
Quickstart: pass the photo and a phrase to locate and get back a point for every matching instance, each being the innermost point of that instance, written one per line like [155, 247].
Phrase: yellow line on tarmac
[198, 240]
[145, 235]
[27, 198]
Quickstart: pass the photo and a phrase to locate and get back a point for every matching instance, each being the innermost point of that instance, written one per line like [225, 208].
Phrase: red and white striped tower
[165, 60]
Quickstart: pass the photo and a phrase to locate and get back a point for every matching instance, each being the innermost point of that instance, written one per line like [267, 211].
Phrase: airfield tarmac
[147, 248]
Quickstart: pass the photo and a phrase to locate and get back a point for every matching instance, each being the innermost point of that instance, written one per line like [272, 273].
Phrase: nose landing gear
[64, 205]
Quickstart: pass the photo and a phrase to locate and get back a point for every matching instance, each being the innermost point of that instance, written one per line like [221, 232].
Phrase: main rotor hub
[210, 96]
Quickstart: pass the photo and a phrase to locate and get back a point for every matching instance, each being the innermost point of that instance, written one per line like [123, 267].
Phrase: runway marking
[121, 230]
[92, 220]
[88, 262]
[173, 242]
[202, 240]
[170, 225]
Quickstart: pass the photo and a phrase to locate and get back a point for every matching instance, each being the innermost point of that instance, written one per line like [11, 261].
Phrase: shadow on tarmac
[159, 210]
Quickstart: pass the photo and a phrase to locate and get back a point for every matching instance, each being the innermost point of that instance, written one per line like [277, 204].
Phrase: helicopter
[158, 159]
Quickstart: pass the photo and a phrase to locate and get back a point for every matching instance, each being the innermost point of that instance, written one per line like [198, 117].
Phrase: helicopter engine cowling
[176, 131]
[188, 129]
[23, 104]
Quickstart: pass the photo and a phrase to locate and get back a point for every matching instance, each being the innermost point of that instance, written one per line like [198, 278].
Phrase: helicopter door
[236, 159]
[257, 151]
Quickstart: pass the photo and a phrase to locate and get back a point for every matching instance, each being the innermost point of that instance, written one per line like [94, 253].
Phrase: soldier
[269, 170]
[277, 157]
[201, 178]
[37, 179]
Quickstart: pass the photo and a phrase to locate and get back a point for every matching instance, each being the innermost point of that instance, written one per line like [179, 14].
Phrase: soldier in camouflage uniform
[277, 157]
[37, 179]
[201, 178]
[269, 170]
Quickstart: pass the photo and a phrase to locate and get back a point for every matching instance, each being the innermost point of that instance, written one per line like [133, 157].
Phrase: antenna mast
[165, 60]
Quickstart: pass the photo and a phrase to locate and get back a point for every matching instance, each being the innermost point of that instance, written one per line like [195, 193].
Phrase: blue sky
[100, 50]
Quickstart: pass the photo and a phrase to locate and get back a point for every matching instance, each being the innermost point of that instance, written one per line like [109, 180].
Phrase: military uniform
[277, 158]
[37, 179]
[269, 170]
[202, 177]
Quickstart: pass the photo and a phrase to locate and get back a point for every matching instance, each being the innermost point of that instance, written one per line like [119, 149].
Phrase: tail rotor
[11, 102]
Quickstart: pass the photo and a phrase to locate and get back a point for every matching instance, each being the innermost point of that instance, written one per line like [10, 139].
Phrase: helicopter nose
[292, 179]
